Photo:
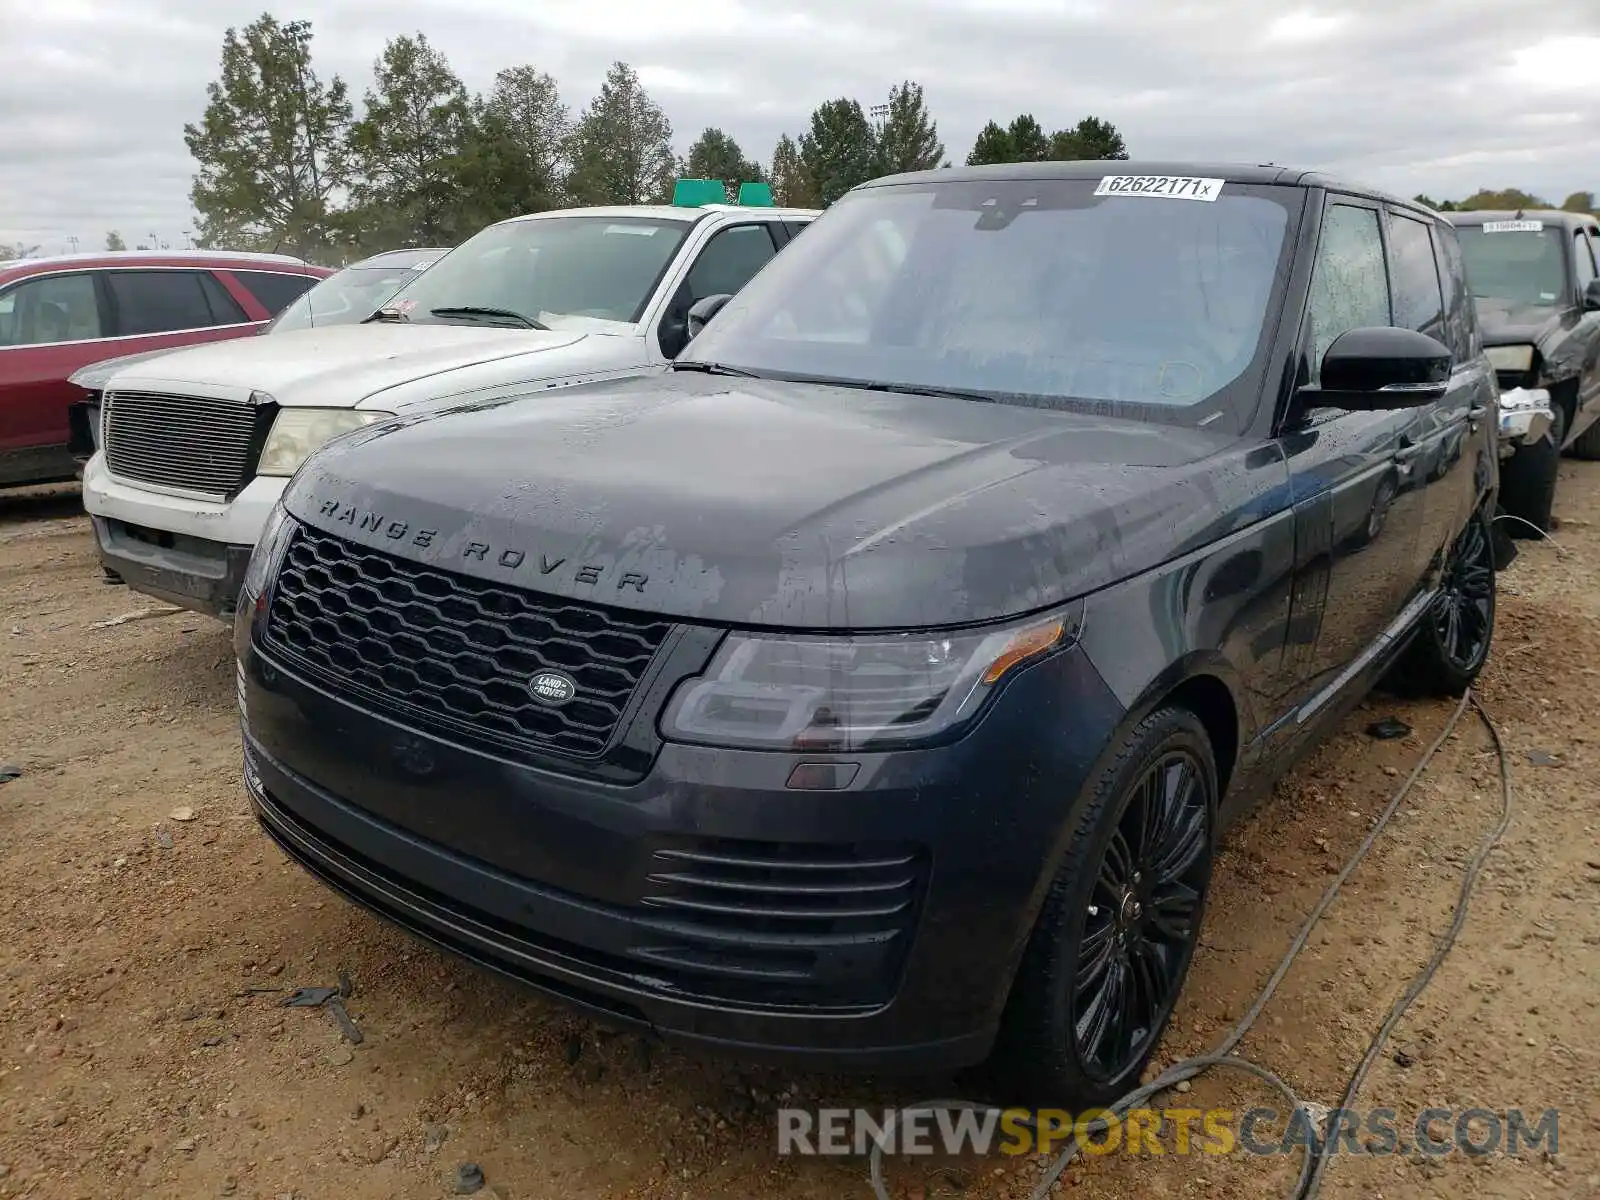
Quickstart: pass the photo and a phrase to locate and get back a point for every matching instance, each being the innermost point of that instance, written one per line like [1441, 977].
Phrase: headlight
[1510, 358]
[850, 693]
[269, 545]
[299, 431]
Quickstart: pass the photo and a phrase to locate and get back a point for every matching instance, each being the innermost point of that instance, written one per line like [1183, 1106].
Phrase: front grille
[781, 922]
[197, 443]
[443, 649]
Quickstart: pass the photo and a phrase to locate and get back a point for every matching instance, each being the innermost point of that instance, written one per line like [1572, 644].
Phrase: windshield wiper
[909, 389]
[712, 368]
[473, 310]
[385, 314]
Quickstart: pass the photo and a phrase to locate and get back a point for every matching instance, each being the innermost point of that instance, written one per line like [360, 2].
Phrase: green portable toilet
[756, 195]
[696, 193]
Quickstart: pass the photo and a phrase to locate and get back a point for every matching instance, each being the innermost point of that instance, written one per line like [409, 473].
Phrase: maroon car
[60, 314]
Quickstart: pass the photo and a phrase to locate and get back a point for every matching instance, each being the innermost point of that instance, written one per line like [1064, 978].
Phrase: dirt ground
[133, 1061]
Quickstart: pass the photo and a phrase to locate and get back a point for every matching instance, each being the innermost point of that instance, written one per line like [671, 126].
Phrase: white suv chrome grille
[193, 443]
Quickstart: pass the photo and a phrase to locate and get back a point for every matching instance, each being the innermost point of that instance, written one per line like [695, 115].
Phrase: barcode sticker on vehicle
[1166, 187]
[1513, 226]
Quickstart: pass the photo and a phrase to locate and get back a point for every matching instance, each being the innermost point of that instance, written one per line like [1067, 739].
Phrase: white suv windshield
[1024, 291]
[603, 268]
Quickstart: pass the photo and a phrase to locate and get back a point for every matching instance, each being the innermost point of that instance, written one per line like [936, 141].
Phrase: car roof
[14, 268]
[665, 212]
[1228, 172]
[421, 255]
[1550, 216]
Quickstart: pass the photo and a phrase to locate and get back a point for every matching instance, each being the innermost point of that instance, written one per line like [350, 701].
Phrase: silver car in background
[344, 298]
[356, 292]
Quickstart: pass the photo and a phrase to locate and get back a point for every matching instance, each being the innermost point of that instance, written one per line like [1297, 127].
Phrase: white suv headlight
[298, 432]
[1510, 358]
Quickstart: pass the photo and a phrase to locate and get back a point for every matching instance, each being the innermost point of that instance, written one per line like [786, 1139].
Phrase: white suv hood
[341, 366]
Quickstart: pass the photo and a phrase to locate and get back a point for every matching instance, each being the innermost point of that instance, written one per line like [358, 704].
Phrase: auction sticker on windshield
[1168, 187]
[1513, 226]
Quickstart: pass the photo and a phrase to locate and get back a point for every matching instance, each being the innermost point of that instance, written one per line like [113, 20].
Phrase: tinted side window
[225, 310]
[274, 289]
[1584, 254]
[54, 308]
[1418, 300]
[729, 261]
[158, 301]
[1460, 317]
[1349, 284]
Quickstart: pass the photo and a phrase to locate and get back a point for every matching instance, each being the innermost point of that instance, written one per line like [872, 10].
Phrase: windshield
[603, 268]
[342, 299]
[1521, 265]
[1027, 292]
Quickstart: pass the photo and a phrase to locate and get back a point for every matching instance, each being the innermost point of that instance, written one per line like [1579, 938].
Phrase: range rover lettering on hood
[514, 560]
[780, 505]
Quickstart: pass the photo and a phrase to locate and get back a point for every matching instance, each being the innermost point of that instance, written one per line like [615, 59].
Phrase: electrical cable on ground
[1446, 942]
[1559, 548]
[1314, 1162]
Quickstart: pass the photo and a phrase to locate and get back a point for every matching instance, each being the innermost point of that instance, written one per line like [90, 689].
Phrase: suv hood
[339, 366]
[786, 505]
[94, 376]
[1508, 324]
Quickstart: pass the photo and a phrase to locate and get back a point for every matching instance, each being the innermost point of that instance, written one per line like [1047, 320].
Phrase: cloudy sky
[1442, 96]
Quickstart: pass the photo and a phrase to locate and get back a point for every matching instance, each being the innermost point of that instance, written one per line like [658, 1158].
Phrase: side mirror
[701, 312]
[1591, 296]
[1381, 368]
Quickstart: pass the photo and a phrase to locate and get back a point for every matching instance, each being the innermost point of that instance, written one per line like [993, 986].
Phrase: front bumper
[190, 572]
[192, 553]
[688, 902]
[1525, 416]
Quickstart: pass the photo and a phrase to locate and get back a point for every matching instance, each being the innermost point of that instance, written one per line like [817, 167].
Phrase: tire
[1454, 636]
[1587, 444]
[1098, 897]
[1505, 549]
[1528, 480]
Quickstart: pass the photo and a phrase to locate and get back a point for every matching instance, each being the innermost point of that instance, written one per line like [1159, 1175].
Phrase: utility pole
[72, 240]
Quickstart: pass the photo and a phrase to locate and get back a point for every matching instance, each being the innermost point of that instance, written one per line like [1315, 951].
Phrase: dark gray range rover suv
[873, 686]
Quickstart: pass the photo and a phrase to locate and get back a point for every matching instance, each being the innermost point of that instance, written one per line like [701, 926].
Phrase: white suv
[197, 445]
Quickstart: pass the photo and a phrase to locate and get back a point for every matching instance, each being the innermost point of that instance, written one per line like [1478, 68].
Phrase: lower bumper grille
[194, 443]
[784, 923]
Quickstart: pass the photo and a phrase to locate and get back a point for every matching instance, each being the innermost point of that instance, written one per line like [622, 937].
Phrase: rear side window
[158, 301]
[224, 307]
[1418, 299]
[275, 289]
[1460, 317]
[729, 261]
[1350, 285]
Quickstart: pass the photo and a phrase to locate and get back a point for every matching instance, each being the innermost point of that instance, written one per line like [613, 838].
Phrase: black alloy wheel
[1463, 615]
[1142, 918]
[1452, 640]
[1111, 945]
